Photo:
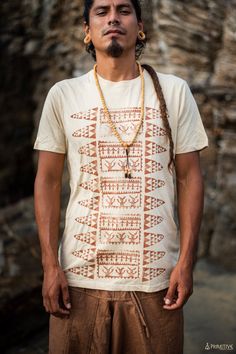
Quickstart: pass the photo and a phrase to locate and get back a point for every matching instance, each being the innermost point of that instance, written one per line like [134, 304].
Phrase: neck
[117, 69]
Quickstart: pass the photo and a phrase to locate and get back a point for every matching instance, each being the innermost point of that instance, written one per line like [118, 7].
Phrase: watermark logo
[210, 346]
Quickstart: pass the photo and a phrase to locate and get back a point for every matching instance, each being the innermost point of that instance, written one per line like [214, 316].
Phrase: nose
[113, 18]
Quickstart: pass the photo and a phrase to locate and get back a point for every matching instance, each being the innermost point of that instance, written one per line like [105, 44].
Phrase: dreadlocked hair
[164, 113]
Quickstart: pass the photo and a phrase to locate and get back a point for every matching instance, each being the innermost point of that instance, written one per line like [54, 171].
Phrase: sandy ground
[210, 315]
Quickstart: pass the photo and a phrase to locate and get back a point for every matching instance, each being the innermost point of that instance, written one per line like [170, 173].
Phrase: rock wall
[42, 42]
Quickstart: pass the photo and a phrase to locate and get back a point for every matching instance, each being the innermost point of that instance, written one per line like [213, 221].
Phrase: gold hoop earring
[87, 39]
[141, 35]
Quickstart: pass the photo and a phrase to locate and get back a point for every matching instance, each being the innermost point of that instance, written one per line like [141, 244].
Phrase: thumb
[66, 297]
[168, 299]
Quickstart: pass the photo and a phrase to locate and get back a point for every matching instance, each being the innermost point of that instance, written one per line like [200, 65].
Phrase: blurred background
[42, 43]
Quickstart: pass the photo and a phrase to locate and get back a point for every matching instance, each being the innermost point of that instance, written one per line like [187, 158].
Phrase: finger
[66, 297]
[56, 309]
[180, 301]
[169, 298]
[46, 305]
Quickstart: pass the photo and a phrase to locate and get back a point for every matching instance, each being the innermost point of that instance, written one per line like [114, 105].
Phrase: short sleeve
[191, 135]
[50, 135]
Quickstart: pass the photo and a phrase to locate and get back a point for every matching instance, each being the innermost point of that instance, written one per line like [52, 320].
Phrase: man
[120, 282]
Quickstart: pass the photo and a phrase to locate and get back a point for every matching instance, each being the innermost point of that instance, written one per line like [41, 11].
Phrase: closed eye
[101, 13]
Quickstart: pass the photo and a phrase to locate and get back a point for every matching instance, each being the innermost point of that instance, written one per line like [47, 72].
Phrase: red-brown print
[87, 271]
[154, 130]
[86, 132]
[121, 193]
[91, 185]
[120, 229]
[152, 183]
[90, 114]
[151, 239]
[152, 256]
[123, 265]
[90, 220]
[152, 113]
[89, 149]
[113, 157]
[92, 203]
[87, 237]
[150, 273]
[152, 203]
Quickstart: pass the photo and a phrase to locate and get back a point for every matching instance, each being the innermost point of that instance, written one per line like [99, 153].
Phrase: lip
[114, 32]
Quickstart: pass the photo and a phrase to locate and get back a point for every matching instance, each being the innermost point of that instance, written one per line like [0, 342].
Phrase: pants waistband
[135, 296]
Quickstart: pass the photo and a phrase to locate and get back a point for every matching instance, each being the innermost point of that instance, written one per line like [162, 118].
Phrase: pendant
[128, 173]
[127, 169]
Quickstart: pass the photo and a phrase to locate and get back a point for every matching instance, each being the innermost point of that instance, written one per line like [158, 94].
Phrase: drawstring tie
[138, 305]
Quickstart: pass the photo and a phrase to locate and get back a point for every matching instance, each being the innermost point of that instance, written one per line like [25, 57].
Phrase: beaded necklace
[126, 145]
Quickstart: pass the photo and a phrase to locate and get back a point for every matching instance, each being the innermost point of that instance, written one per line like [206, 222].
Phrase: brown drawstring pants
[117, 322]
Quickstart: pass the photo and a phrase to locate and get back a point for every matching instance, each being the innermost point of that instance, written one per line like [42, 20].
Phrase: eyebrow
[106, 7]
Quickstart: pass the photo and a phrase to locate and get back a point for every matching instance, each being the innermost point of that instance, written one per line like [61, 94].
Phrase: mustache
[114, 28]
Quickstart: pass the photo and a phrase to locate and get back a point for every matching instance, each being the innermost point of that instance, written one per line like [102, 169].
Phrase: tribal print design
[119, 218]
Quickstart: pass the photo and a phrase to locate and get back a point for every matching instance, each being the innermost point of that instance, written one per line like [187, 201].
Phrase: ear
[86, 28]
[140, 26]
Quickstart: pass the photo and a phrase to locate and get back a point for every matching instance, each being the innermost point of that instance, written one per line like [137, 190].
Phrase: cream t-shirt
[120, 234]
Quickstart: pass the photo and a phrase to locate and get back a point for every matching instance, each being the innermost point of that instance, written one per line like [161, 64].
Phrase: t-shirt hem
[49, 148]
[119, 287]
[191, 149]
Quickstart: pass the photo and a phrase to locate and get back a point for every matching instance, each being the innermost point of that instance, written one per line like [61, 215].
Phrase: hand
[180, 288]
[55, 292]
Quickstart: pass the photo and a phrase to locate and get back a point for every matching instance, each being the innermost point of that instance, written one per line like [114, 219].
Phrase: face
[113, 26]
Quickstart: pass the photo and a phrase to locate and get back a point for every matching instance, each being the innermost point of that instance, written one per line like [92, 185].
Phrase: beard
[114, 49]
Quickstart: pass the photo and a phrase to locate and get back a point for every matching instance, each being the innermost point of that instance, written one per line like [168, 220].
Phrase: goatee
[114, 49]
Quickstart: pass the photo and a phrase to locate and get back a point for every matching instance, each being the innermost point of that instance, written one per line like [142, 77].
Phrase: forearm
[47, 213]
[190, 206]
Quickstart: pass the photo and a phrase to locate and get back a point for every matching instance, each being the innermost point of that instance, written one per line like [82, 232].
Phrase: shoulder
[169, 81]
[74, 84]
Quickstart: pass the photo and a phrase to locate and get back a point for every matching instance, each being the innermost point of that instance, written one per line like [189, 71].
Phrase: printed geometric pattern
[89, 149]
[151, 239]
[91, 114]
[90, 220]
[113, 156]
[91, 185]
[86, 271]
[152, 203]
[121, 115]
[123, 265]
[87, 237]
[153, 148]
[152, 113]
[152, 256]
[151, 220]
[92, 203]
[121, 185]
[87, 255]
[152, 166]
[90, 168]
[154, 130]
[86, 132]
[151, 184]
[119, 236]
[119, 202]
[150, 273]
[126, 121]
[120, 229]
[115, 150]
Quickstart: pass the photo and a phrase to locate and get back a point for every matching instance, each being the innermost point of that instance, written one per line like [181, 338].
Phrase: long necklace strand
[125, 144]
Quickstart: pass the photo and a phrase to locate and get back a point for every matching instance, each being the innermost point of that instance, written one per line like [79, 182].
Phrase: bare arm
[190, 207]
[47, 212]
